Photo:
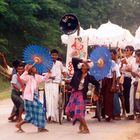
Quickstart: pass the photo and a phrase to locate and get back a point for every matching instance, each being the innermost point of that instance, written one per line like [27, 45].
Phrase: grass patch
[5, 94]
[5, 90]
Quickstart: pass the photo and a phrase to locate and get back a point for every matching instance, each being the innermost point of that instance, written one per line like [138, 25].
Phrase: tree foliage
[24, 22]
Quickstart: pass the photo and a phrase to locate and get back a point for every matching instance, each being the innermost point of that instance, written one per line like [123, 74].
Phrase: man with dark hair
[118, 94]
[8, 71]
[136, 73]
[52, 87]
[14, 113]
[54, 51]
[108, 90]
[137, 53]
[17, 89]
[15, 64]
[128, 63]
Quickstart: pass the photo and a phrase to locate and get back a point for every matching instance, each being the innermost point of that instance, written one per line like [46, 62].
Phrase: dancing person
[8, 71]
[14, 113]
[34, 111]
[17, 89]
[79, 84]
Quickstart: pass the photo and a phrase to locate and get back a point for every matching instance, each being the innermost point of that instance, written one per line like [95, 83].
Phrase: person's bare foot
[49, 119]
[123, 115]
[81, 127]
[84, 132]
[20, 131]
[12, 118]
[138, 120]
[42, 130]
[19, 128]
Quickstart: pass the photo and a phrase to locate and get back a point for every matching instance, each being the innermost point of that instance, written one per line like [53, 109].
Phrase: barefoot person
[79, 83]
[17, 90]
[34, 111]
[7, 71]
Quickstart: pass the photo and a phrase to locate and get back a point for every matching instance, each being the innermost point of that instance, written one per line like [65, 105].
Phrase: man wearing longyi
[52, 88]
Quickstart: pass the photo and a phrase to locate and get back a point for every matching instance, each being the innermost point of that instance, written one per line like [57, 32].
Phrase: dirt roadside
[115, 130]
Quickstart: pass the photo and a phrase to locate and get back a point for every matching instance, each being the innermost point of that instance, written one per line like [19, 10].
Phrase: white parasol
[137, 39]
[128, 39]
[90, 33]
[109, 34]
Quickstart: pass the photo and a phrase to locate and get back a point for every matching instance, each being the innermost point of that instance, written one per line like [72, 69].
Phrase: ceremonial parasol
[102, 61]
[108, 34]
[39, 57]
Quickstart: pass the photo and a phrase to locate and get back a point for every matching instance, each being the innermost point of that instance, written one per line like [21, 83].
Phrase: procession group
[120, 90]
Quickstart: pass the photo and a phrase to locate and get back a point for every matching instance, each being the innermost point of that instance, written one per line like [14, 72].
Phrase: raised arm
[75, 62]
[4, 62]
[44, 78]
[25, 75]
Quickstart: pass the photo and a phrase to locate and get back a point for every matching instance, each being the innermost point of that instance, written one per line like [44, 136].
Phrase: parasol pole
[78, 30]
[37, 60]
[34, 64]
[120, 52]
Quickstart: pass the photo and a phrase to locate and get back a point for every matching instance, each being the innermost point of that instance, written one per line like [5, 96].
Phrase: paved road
[115, 130]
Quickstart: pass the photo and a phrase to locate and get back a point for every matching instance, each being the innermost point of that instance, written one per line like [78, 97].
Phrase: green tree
[24, 22]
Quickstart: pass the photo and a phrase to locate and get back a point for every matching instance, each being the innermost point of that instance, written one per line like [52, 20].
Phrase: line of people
[122, 82]
[120, 86]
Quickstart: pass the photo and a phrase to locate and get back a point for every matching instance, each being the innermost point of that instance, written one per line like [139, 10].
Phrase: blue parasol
[102, 60]
[38, 56]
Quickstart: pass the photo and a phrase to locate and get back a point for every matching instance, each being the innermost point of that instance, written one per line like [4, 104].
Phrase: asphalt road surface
[115, 130]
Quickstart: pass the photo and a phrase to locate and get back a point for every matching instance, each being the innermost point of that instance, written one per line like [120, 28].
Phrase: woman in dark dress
[79, 83]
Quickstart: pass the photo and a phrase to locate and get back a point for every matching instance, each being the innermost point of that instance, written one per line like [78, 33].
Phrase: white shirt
[81, 85]
[117, 71]
[112, 69]
[130, 62]
[56, 71]
[15, 81]
[135, 68]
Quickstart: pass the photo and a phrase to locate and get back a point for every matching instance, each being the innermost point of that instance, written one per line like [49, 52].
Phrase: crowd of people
[120, 90]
